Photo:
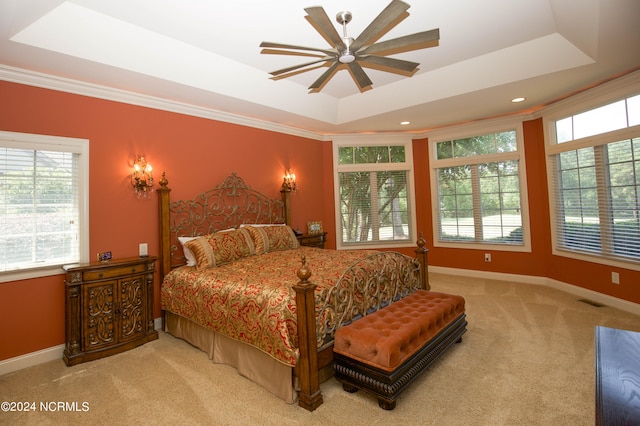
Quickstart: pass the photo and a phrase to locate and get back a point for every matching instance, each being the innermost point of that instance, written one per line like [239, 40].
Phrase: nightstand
[108, 308]
[313, 240]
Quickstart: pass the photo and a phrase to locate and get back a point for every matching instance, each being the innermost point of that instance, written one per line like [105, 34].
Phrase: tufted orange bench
[381, 353]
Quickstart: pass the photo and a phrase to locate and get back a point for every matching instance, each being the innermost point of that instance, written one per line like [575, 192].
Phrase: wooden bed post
[309, 396]
[421, 255]
[165, 227]
[286, 199]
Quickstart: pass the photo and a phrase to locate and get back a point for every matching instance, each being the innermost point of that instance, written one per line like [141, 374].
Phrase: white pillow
[188, 254]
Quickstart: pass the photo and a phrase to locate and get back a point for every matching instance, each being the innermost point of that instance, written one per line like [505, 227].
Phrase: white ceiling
[205, 55]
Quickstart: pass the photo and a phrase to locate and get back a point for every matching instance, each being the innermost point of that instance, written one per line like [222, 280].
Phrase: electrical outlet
[487, 257]
[615, 278]
[144, 250]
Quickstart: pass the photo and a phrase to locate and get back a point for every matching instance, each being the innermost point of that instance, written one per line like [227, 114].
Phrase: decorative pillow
[222, 247]
[188, 254]
[260, 225]
[227, 230]
[272, 238]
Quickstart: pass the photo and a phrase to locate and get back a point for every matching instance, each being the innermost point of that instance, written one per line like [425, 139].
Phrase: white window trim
[605, 94]
[55, 143]
[372, 140]
[470, 130]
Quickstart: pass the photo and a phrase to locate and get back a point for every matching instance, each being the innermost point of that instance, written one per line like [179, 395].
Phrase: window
[478, 194]
[374, 189]
[43, 198]
[594, 162]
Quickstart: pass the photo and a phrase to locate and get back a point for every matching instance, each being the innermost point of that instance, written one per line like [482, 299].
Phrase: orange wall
[540, 261]
[501, 261]
[197, 153]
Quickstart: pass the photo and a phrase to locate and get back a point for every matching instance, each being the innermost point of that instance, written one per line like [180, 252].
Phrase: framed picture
[104, 256]
[314, 227]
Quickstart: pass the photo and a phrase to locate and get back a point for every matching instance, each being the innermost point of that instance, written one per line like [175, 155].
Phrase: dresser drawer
[312, 240]
[315, 240]
[116, 271]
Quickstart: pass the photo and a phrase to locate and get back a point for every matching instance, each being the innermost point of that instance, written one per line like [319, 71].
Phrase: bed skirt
[250, 362]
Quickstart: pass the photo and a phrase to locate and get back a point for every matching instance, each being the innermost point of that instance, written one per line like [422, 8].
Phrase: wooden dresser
[108, 307]
[313, 240]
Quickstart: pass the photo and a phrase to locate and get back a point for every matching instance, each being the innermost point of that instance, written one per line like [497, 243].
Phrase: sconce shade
[142, 178]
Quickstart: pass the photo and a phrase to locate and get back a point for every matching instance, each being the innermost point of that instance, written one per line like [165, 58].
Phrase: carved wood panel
[99, 314]
[132, 319]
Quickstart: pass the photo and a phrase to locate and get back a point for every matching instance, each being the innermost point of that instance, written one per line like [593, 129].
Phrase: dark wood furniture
[617, 376]
[234, 203]
[108, 308]
[313, 240]
[383, 352]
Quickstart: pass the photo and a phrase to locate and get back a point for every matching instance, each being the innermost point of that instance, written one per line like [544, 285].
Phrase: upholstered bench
[383, 352]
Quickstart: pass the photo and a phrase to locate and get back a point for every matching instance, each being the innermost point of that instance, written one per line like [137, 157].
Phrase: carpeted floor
[526, 359]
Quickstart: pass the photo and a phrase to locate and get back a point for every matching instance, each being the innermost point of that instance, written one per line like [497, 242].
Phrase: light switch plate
[144, 250]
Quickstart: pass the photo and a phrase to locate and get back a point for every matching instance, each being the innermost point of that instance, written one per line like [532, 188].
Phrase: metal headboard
[229, 205]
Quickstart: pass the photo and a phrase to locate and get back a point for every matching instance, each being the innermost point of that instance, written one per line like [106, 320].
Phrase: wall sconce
[289, 183]
[142, 177]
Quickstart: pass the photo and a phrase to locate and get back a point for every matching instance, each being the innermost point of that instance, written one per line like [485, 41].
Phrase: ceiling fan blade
[294, 47]
[290, 53]
[360, 76]
[404, 44]
[295, 67]
[321, 22]
[322, 80]
[298, 71]
[389, 64]
[395, 12]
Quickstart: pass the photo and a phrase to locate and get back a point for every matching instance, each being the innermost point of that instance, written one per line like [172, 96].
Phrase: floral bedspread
[252, 299]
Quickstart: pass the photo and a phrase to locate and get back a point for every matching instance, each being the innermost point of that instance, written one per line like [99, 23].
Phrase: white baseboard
[42, 356]
[594, 296]
[604, 299]
[31, 359]
[55, 352]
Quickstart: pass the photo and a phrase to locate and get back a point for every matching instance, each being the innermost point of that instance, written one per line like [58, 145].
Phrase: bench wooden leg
[386, 404]
[349, 388]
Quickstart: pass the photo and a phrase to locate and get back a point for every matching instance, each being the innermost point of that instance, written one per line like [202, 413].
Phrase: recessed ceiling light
[404, 123]
[516, 100]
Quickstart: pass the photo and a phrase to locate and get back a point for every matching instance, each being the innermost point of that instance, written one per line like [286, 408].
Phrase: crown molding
[47, 81]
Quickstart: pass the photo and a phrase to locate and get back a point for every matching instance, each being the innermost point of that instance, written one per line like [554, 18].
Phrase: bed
[237, 284]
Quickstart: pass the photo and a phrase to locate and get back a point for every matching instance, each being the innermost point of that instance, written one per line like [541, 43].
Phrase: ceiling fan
[345, 52]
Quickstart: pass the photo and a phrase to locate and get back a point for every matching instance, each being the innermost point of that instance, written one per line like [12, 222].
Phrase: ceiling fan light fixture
[347, 57]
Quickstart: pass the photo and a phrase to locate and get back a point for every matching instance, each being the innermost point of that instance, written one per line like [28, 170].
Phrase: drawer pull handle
[133, 269]
[100, 275]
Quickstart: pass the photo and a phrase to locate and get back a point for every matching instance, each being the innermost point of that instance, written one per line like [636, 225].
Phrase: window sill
[29, 274]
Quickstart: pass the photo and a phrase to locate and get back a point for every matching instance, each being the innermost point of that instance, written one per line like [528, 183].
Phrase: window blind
[374, 191]
[597, 193]
[374, 206]
[479, 201]
[39, 208]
